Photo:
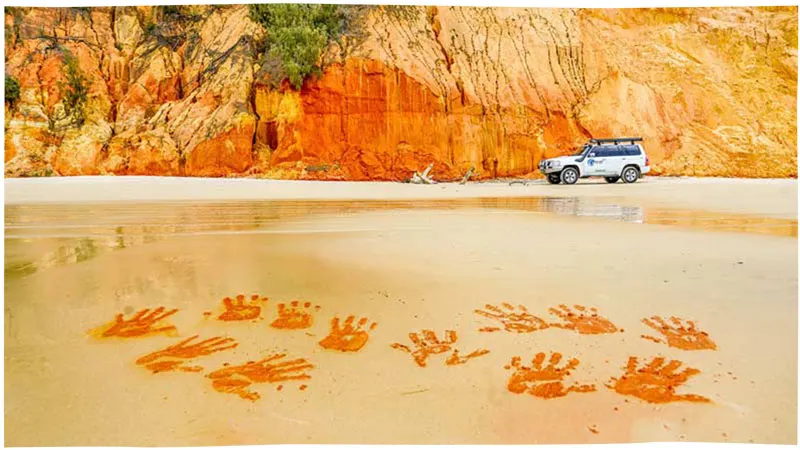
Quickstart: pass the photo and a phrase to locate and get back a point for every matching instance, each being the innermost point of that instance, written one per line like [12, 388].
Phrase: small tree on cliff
[298, 35]
[11, 90]
[75, 91]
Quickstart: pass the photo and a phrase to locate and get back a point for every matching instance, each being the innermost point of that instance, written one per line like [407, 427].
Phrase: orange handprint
[237, 379]
[173, 358]
[347, 338]
[236, 309]
[143, 323]
[679, 335]
[544, 381]
[585, 321]
[513, 321]
[656, 382]
[295, 317]
[429, 344]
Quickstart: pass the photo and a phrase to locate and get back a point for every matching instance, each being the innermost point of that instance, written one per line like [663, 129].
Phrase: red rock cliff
[712, 91]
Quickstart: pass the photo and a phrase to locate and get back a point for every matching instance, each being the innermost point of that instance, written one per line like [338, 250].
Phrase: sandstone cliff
[712, 91]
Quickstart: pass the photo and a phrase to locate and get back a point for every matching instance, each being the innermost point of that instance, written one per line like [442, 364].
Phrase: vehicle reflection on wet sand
[82, 231]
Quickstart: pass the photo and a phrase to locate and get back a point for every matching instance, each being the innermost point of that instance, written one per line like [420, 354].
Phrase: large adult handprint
[544, 381]
[656, 382]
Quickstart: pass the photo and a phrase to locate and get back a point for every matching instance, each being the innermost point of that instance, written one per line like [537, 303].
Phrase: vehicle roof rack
[616, 140]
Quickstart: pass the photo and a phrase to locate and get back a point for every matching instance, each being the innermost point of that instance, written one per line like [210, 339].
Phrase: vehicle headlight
[555, 163]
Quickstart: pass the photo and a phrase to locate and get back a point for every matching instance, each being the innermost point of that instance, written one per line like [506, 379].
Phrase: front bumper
[548, 167]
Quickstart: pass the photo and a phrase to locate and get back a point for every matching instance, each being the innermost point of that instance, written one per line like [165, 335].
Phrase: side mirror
[591, 155]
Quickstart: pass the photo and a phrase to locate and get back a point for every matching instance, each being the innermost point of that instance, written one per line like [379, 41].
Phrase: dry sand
[407, 270]
[766, 197]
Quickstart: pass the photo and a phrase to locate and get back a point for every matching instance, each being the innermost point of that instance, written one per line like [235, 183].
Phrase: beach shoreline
[765, 197]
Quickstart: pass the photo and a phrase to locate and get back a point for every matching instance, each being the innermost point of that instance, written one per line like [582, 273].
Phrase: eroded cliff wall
[712, 91]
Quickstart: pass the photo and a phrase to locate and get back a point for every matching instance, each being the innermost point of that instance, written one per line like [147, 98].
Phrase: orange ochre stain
[347, 337]
[679, 334]
[144, 323]
[174, 357]
[655, 382]
[237, 309]
[295, 316]
[584, 321]
[426, 344]
[544, 381]
[237, 379]
[514, 319]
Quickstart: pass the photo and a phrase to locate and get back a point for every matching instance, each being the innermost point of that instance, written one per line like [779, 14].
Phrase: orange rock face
[367, 121]
[497, 89]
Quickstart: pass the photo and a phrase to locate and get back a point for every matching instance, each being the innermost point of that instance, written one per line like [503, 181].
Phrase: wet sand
[71, 268]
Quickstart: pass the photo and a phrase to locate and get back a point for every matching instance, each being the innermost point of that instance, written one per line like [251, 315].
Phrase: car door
[615, 160]
[595, 161]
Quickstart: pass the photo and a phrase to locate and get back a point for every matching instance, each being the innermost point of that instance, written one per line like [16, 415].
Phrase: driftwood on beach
[468, 175]
[424, 177]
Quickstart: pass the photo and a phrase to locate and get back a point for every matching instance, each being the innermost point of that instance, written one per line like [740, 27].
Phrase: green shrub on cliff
[11, 90]
[298, 35]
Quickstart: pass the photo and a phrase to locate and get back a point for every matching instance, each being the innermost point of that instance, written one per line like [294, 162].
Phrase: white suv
[611, 159]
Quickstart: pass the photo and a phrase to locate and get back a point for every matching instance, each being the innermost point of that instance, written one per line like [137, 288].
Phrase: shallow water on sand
[76, 232]
[407, 266]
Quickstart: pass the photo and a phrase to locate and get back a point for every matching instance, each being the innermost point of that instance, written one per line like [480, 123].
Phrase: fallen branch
[467, 175]
[423, 178]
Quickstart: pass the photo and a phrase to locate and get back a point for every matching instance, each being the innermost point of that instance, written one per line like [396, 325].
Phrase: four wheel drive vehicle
[612, 159]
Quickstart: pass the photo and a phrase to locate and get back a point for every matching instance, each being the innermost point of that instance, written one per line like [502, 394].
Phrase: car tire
[611, 179]
[569, 175]
[554, 178]
[630, 174]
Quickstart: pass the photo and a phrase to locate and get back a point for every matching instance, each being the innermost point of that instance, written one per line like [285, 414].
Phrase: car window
[632, 150]
[608, 150]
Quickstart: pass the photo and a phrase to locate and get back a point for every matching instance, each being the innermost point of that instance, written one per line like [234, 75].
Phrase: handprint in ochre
[583, 320]
[544, 381]
[347, 336]
[237, 309]
[175, 357]
[143, 323]
[679, 334]
[513, 319]
[656, 382]
[425, 344]
[238, 379]
[295, 316]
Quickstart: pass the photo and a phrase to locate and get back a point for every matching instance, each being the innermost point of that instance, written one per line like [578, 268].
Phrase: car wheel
[630, 174]
[554, 178]
[569, 175]
[612, 179]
